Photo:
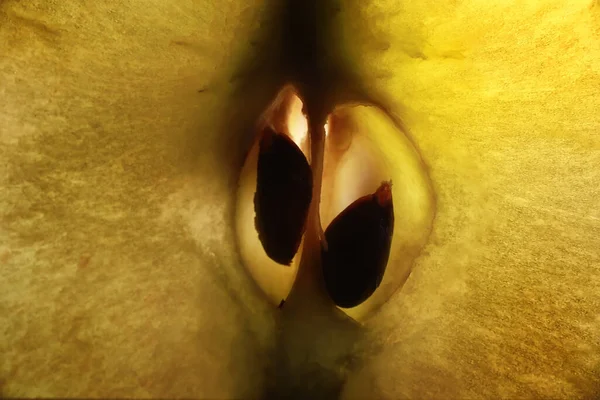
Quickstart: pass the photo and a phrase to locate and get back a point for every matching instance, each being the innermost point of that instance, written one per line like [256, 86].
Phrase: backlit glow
[297, 123]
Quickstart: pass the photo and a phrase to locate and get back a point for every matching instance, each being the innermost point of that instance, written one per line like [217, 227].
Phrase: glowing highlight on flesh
[297, 123]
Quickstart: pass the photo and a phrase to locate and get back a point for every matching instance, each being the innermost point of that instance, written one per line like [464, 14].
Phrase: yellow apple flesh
[123, 131]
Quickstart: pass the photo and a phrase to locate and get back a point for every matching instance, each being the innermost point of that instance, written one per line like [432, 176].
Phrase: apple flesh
[123, 131]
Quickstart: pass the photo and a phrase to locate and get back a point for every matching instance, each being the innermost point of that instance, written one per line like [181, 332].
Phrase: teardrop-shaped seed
[357, 248]
[283, 195]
